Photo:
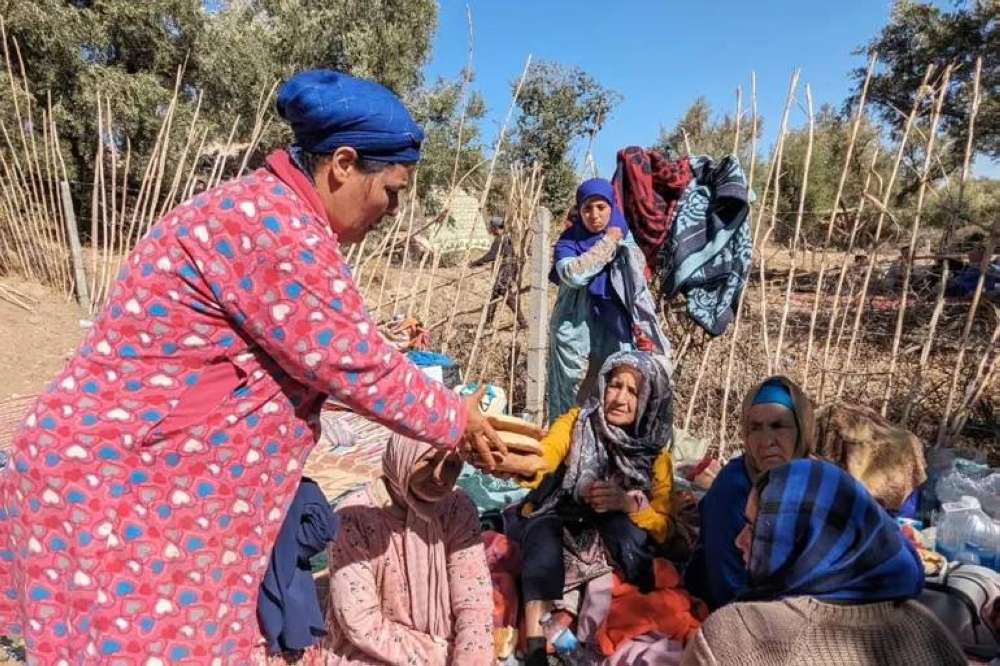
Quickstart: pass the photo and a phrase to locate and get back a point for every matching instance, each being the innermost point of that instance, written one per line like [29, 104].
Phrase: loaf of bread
[513, 424]
[518, 443]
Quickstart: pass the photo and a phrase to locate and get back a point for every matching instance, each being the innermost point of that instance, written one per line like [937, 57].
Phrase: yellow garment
[654, 518]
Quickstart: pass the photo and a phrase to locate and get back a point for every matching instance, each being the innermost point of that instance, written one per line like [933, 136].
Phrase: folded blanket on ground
[668, 610]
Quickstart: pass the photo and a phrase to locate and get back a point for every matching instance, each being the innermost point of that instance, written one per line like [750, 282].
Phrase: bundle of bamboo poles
[32, 230]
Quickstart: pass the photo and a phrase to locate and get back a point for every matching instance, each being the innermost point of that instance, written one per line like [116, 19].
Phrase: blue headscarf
[577, 240]
[819, 533]
[329, 110]
[773, 391]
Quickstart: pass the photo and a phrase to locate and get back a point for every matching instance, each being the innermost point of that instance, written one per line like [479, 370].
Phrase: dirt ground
[34, 345]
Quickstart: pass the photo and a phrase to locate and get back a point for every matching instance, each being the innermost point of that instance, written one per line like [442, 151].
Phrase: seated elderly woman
[409, 582]
[831, 582]
[778, 425]
[606, 479]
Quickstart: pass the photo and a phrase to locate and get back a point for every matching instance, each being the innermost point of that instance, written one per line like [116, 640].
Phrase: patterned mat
[348, 454]
[12, 410]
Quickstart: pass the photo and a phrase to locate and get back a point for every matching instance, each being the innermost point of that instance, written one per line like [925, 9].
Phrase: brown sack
[887, 459]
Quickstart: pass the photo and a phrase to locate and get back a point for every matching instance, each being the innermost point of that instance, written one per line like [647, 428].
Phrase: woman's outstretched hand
[480, 446]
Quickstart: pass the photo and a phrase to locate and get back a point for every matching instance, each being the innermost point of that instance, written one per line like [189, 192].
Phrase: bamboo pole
[978, 385]
[22, 209]
[887, 193]
[706, 352]
[170, 200]
[219, 166]
[411, 302]
[145, 188]
[844, 266]
[967, 330]
[43, 210]
[384, 277]
[741, 305]
[526, 237]
[915, 229]
[19, 235]
[484, 307]
[27, 181]
[859, 115]
[969, 148]
[188, 191]
[21, 179]
[99, 243]
[59, 232]
[123, 239]
[161, 166]
[925, 353]
[95, 206]
[259, 125]
[83, 297]
[376, 255]
[406, 250]
[779, 152]
[798, 229]
[497, 149]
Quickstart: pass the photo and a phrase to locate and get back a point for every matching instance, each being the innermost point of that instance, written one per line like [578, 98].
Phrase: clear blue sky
[662, 54]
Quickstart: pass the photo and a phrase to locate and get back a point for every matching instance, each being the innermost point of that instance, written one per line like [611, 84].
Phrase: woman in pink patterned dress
[148, 482]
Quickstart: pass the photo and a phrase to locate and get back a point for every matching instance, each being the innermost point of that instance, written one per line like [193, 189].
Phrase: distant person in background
[963, 284]
[505, 286]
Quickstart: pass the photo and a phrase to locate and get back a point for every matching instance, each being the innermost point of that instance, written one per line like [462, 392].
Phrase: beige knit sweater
[802, 631]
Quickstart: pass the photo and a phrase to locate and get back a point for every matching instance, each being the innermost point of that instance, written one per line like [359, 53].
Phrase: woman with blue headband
[778, 425]
[148, 483]
[831, 582]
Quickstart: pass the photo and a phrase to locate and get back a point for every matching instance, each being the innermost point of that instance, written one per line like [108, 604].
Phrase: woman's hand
[604, 497]
[613, 232]
[480, 443]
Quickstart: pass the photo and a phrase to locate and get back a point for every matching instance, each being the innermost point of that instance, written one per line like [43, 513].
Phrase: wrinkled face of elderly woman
[771, 435]
[435, 475]
[621, 397]
[595, 213]
[357, 194]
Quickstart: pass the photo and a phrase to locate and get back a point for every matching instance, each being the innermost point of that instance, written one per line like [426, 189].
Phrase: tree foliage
[439, 108]
[920, 34]
[707, 133]
[831, 139]
[231, 52]
[559, 105]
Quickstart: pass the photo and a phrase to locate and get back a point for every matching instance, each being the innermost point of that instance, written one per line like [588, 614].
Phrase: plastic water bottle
[966, 534]
[565, 642]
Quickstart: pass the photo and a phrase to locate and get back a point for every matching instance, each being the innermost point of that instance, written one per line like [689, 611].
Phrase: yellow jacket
[654, 518]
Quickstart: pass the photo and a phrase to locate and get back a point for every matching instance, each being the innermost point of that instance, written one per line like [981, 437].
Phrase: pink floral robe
[148, 482]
